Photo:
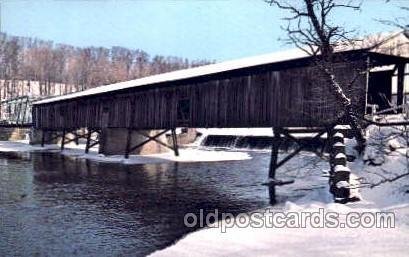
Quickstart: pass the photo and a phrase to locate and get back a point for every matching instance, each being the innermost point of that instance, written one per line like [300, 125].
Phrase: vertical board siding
[296, 97]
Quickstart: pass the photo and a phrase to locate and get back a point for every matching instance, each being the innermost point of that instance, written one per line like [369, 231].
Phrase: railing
[16, 111]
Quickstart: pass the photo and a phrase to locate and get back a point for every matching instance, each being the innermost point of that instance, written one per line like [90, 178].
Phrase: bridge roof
[292, 55]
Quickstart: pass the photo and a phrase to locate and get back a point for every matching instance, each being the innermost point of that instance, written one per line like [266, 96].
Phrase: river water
[52, 205]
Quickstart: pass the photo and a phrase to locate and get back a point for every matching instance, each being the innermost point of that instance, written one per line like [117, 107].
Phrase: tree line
[32, 59]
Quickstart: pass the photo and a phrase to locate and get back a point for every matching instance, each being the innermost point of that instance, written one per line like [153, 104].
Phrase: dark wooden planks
[296, 97]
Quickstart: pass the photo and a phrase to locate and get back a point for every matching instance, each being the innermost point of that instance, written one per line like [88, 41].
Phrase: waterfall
[255, 142]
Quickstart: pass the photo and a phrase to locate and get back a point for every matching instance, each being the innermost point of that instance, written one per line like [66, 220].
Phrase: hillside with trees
[45, 64]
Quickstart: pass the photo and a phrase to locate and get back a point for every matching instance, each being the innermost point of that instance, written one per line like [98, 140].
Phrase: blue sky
[210, 29]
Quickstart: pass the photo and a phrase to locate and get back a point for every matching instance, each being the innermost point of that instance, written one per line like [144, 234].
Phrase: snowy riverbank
[294, 241]
[77, 151]
[383, 187]
[311, 241]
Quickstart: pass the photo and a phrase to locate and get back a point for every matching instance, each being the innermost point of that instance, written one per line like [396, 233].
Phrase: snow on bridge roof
[276, 57]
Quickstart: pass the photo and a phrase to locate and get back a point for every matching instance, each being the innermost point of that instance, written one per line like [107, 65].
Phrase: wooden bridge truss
[94, 137]
[16, 112]
[289, 133]
[49, 136]
[333, 145]
[129, 148]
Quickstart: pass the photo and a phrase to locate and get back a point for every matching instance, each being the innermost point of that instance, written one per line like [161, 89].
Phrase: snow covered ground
[310, 241]
[185, 155]
[22, 146]
[77, 151]
[383, 187]
[294, 241]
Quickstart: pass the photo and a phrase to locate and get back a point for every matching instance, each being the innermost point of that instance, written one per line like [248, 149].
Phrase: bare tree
[393, 140]
[74, 68]
[310, 28]
[399, 22]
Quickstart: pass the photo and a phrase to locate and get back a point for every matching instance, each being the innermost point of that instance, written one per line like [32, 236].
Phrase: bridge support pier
[73, 135]
[40, 136]
[122, 141]
[111, 141]
[44, 136]
[288, 134]
[339, 178]
[13, 133]
[274, 153]
[275, 163]
[93, 141]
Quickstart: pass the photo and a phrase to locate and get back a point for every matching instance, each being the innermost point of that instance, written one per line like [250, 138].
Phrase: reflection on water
[51, 205]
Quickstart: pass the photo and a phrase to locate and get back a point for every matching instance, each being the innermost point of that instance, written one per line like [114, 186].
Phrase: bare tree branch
[309, 28]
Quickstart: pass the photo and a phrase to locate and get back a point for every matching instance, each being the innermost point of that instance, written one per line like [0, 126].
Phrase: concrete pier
[37, 134]
[11, 134]
[114, 140]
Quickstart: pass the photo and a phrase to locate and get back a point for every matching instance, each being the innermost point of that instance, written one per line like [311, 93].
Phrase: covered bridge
[283, 89]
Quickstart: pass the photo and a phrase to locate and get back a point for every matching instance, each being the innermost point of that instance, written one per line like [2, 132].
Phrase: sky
[196, 29]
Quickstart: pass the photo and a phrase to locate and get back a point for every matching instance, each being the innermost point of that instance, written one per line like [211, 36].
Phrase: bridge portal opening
[387, 88]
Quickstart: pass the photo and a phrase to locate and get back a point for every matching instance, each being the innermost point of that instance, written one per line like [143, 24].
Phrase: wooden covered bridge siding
[257, 97]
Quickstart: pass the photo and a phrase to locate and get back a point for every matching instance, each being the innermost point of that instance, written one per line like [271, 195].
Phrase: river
[51, 205]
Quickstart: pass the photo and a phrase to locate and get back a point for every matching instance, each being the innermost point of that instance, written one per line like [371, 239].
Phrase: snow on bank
[308, 241]
[185, 155]
[293, 241]
[384, 161]
[22, 146]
